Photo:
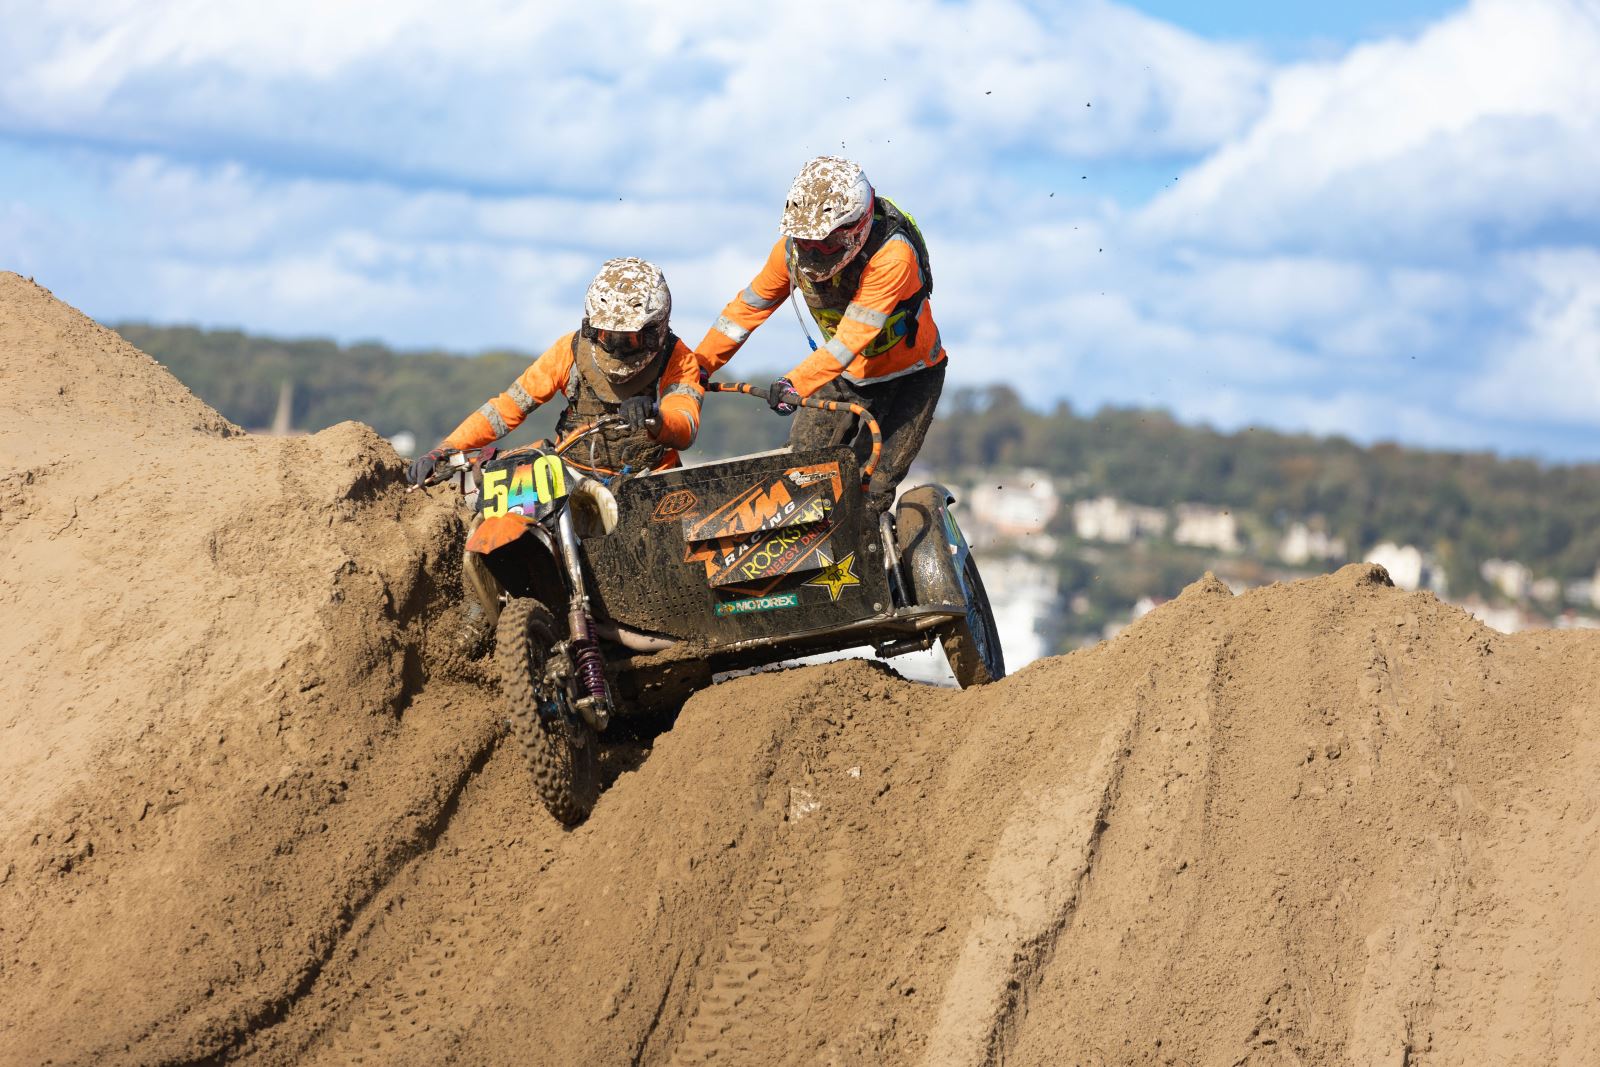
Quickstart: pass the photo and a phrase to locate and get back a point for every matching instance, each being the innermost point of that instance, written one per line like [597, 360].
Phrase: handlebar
[470, 456]
[825, 405]
[652, 425]
[450, 468]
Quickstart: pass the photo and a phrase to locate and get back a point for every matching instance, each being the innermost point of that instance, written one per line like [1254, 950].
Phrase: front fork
[594, 701]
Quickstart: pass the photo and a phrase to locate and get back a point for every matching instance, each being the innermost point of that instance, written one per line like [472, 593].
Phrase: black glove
[422, 467]
[782, 398]
[638, 410]
[705, 378]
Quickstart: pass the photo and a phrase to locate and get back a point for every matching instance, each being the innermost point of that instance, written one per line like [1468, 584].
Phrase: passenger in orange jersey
[861, 267]
[624, 359]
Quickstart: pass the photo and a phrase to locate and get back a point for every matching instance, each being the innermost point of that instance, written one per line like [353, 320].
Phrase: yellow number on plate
[494, 487]
[550, 479]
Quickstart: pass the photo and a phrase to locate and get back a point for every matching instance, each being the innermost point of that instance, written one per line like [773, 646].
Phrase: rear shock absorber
[591, 668]
[595, 704]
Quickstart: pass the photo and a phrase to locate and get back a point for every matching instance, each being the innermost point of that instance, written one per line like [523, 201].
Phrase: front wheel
[562, 750]
[972, 644]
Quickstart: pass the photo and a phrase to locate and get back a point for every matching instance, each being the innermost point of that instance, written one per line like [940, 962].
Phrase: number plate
[527, 487]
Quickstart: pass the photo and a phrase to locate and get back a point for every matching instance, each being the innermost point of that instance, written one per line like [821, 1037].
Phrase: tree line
[1463, 507]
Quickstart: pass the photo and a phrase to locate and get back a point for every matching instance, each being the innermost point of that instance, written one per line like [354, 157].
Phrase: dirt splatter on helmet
[828, 215]
[625, 313]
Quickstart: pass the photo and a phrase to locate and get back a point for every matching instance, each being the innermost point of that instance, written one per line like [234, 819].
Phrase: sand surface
[245, 816]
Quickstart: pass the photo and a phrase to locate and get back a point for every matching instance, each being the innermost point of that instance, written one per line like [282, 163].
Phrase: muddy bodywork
[753, 548]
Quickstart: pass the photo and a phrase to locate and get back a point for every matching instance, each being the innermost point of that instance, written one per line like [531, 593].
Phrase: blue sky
[1292, 31]
[1370, 219]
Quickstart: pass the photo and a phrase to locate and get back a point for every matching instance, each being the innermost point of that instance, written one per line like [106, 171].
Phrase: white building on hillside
[1017, 504]
[1204, 526]
[1512, 579]
[1108, 519]
[1302, 544]
[1409, 567]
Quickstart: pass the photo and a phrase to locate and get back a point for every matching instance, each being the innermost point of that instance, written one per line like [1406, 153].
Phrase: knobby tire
[562, 755]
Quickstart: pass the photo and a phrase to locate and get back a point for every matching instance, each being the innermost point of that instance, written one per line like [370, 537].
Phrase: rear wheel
[562, 750]
[972, 644]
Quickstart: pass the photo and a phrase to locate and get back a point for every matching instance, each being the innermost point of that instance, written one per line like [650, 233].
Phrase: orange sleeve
[891, 276]
[543, 379]
[746, 311]
[680, 394]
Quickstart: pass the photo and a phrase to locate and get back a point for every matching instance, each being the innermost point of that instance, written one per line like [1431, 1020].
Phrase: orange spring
[826, 405]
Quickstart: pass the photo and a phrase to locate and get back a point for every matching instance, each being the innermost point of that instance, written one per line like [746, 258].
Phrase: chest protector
[591, 393]
[828, 299]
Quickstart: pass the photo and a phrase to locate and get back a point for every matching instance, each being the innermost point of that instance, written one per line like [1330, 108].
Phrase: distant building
[1203, 526]
[1108, 519]
[1016, 509]
[1022, 503]
[1303, 543]
[1409, 567]
[1545, 590]
[1144, 606]
[1508, 620]
[1512, 579]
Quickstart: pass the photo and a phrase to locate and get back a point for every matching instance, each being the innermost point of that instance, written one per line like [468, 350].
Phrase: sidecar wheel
[972, 644]
[562, 750]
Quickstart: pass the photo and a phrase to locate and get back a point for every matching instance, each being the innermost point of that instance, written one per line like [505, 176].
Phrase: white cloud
[651, 96]
[1480, 131]
[1549, 365]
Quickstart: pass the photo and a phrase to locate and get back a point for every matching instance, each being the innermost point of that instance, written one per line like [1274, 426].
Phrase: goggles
[629, 342]
[831, 245]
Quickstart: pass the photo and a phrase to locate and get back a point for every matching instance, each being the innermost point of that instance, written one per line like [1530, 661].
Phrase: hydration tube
[803, 327]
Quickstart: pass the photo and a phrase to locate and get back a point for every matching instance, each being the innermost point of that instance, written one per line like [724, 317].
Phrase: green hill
[1463, 507]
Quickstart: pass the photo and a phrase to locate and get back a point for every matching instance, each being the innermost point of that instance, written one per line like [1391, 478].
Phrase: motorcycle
[624, 595]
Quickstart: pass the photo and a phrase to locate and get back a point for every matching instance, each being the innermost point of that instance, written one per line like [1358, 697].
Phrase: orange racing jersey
[891, 276]
[678, 393]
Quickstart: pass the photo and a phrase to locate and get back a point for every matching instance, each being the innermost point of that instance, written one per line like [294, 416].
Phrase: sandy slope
[1319, 823]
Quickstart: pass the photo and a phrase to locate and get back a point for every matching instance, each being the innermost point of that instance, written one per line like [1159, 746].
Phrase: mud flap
[932, 548]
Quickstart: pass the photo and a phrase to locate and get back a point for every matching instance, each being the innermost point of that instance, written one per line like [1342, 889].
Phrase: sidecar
[729, 565]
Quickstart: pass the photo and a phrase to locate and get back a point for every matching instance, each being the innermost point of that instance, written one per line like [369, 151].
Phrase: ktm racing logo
[756, 511]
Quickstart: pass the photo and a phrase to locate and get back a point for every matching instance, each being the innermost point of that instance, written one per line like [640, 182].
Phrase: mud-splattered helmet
[828, 215]
[625, 313]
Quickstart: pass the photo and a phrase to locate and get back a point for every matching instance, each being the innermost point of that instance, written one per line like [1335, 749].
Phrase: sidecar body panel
[755, 547]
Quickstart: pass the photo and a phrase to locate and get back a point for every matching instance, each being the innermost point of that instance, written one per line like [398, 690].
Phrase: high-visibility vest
[591, 393]
[828, 299]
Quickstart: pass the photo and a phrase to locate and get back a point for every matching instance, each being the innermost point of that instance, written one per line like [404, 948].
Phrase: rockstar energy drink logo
[780, 551]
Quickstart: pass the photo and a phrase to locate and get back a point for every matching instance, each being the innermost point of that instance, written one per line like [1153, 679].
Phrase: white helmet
[627, 295]
[828, 214]
[625, 313]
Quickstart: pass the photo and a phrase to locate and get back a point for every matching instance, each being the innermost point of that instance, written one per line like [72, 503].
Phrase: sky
[1374, 219]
